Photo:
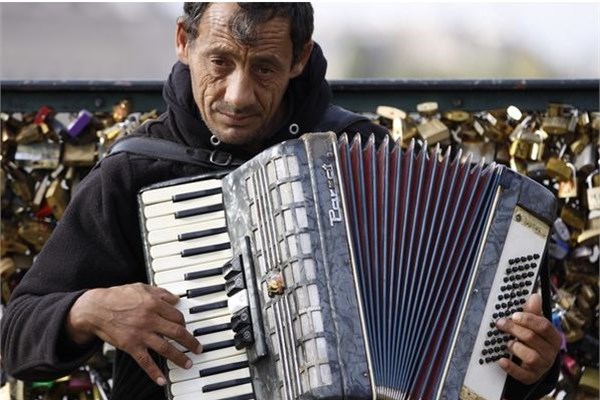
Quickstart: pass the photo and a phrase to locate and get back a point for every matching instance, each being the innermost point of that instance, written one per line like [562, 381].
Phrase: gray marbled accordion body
[289, 219]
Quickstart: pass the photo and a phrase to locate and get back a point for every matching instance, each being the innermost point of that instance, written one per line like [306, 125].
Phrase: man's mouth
[235, 119]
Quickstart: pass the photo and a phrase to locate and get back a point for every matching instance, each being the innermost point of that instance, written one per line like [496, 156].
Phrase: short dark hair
[250, 15]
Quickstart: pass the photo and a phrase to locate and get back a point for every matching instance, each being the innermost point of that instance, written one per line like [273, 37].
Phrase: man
[249, 76]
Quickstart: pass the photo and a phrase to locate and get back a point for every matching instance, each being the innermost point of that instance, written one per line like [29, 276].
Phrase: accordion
[326, 268]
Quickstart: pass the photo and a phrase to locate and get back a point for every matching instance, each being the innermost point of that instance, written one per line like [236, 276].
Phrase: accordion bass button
[241, 319]
[235, 284]
[243, 338]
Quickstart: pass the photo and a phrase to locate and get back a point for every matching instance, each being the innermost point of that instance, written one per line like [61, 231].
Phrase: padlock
[480, 151]
[35, 233]
[513, 115]
[40, 193]
[537, 171]
[558, 169]
[43, 115]
[518, 165]
[593, 220]
[433, 131]
[589, 382]
[79, 155]
[393, 119]
[568, 188]
[121, 110]
[573, 216]
[519, 148]
[39, 155]
[592, 192]
[555, 125]
[536, 152]
[558, 249]
[427, 109]
[561, 229]
[588, 237]
[579, 144]
[588, 293]
[30, 133]
[585, 161]
[57, 197]
[78, 125]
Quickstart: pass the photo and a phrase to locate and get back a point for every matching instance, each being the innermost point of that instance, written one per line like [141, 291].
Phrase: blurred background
[135, 41]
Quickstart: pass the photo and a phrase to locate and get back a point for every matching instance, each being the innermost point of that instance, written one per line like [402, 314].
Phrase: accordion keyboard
[186, 246]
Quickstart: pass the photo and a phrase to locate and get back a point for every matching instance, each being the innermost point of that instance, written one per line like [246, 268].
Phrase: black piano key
[205, 290]
[200, 234]
[202, 274]
[223, 368]
[247, 396]
[218, 345]
[204, 249]
[223, 385]
[211, 329]
[198, 211]
[195, 194]
[208, 307]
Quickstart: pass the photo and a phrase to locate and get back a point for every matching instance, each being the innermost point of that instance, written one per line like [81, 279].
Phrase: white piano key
[218, 394]
[196, 385]
[174, 248]
[181, 374]
[168, 221]
[180, 288]
[185, 305]
[168, 207]
[178, 274]
[176, 372]
[238, 301]
[171, 234]
[166, 193]
[171, 262]
[207, 339]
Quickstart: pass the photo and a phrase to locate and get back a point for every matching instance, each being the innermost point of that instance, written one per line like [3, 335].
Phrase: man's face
[239, 88]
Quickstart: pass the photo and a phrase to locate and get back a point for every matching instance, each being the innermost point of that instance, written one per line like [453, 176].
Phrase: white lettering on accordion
[335, 214]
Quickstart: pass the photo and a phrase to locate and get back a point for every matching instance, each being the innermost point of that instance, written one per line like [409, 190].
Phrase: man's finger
[520, 374]
[167, 311]
[539, 324]
[526, 335]
[168, 351]
[530, 358]
[179, 334]
[534, 304]
[145, 361]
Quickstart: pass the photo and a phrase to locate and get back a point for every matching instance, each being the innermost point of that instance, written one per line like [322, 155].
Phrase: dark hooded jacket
[98, 241]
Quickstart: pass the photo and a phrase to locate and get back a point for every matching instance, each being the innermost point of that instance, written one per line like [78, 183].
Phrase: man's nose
[240, 90]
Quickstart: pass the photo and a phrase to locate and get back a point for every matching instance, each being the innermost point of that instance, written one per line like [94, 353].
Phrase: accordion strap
[335, 119]
[167, 150]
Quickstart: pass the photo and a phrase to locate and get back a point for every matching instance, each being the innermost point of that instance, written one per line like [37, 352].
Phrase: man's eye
[219, 62]
[265, 72]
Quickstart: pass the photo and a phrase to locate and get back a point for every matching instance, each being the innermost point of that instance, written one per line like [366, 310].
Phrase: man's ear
[182, 44]
[299, 65]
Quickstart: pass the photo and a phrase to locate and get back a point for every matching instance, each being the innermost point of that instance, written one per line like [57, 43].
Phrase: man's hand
[133, 318]
[537, 342]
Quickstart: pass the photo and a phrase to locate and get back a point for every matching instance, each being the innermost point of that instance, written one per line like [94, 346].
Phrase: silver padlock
[592, 192]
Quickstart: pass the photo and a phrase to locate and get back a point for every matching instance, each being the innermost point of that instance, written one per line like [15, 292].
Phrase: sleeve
[92, 246]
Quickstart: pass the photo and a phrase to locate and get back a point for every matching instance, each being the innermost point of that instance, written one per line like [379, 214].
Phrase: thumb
[534, 304]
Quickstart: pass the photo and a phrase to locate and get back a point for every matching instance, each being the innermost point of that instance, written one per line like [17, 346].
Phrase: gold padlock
[79, 155]
[557, 167]
[579, 144]
[433, 131]
[568, 188]
[121, 110]
[35, 233]
[572, 216]
[57, 197]
[519, 148]
[592, 192]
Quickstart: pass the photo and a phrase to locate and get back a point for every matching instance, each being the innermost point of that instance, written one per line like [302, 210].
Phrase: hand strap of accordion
[167, 150]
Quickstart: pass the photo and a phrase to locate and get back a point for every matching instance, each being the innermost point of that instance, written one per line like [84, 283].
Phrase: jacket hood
[308, 96]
